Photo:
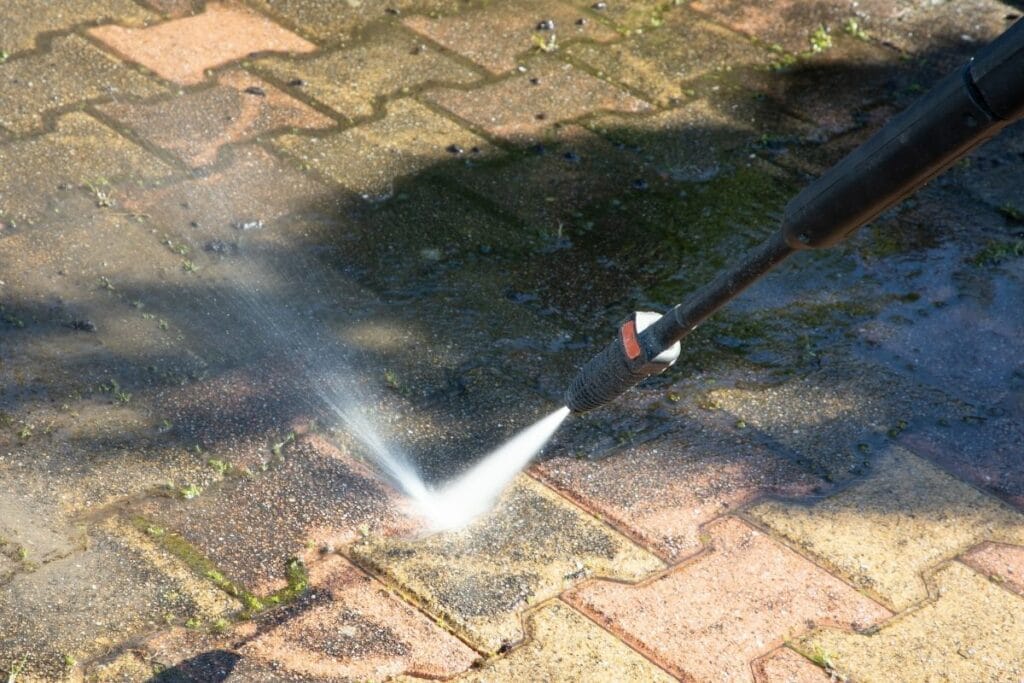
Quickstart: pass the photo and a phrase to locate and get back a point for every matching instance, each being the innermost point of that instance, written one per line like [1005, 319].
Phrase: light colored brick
[351, 80]
[970, 632]
[887, 530]
[564, 645]
[370, 158]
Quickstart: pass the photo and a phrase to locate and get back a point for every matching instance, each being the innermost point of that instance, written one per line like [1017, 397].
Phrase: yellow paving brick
[566, 646]
[884, 532]
[350, 81]
[973, 632]
[479, 580]
[369, 158]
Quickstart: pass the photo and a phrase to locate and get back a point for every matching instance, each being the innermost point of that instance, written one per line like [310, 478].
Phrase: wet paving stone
[744, 596]
[852, 416]
[708, 137]
[182, 50]
[252, 185]
[944, 34]
[352, 80]
[250, 527]
[71, 71]
[174, 8]
[632, 17]
[196, 125]
[349, 627]
[870, 78]
[970, 630]
[563, 645]
[519, 110]
[25, 19]
[886, 530]
[660, 64]
[787, 24]
[88, 602]
[481, 579]
[554, 183]
[497, 36]
[370, 158]
[677, 484]
[79, 152]
[332, 24]
[1003, 563]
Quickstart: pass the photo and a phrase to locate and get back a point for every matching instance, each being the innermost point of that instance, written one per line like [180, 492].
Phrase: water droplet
[546, 25]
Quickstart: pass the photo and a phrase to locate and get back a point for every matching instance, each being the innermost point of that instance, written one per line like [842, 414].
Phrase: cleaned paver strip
[480, 580]
[729, 606]
[182, 50]
[196, 125]
[971, 630]
[885, 531]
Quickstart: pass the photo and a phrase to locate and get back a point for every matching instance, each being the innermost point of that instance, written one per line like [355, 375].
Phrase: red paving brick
[195, 126]
[350, 627]
[675, 489]
[519, 109]
[183, 49]
[708, 619]
[786, 666]
[1003, 563]
[499, 35]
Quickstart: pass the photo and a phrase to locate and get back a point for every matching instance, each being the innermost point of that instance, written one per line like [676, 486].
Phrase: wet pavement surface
[240, 241]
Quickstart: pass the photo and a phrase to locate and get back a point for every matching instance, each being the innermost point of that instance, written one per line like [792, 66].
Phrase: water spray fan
[968, 107]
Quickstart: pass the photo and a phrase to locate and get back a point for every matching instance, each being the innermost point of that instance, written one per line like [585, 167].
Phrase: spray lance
[966, 108]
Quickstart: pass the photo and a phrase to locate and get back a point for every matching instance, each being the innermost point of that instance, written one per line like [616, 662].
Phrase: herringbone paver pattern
[224, 224]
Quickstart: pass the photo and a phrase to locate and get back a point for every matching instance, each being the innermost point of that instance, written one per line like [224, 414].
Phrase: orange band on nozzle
[629, 341]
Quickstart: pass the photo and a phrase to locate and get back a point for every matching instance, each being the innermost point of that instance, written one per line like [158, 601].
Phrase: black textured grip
[604, 378]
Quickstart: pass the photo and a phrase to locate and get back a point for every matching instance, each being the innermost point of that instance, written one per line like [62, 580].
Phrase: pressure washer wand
[966, 108]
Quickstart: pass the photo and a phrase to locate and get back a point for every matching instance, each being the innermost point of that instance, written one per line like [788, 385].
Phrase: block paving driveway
[247, 246]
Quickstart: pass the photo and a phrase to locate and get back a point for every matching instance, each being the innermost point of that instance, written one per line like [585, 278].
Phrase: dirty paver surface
[261, 259]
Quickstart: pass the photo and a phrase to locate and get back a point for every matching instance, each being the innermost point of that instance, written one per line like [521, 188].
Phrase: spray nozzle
[622, 364]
